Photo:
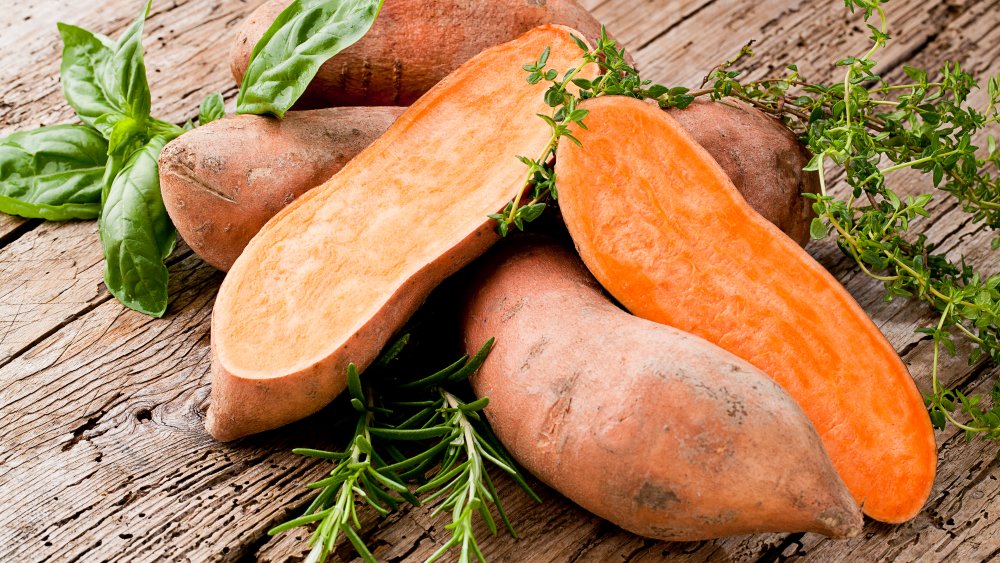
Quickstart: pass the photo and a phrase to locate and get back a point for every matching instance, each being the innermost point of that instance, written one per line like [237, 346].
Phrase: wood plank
[124, 395]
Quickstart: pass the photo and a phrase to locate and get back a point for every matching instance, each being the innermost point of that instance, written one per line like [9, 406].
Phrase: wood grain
[104, 455]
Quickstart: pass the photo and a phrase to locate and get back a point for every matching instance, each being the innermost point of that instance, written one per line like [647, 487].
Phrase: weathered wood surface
[103, 455]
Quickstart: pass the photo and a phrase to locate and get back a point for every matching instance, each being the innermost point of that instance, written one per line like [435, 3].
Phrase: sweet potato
[656, 430]
[678, 245]
[222, 182]
[762, 157]
[330, 278]
[412, 45]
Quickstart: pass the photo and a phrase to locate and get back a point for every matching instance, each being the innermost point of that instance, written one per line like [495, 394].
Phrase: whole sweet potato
[762, 157]
[223, 181]
[412, 45]
[654, 429]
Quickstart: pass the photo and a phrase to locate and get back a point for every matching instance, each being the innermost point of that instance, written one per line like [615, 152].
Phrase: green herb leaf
[303, 37]
[125, 74]
[85, 59]
[53, 173]
[137, 234]
[212, 108]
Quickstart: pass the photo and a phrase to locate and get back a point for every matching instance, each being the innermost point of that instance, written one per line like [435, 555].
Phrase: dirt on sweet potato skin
[658, 431]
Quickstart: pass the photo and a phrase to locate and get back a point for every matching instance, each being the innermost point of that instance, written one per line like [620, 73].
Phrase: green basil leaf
[303, 37]
[53, 173]
[212, 108]
[125, 74]
[137, 234]
[85, 58]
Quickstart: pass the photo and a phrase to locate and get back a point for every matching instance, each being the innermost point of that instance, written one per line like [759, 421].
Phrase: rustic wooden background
[103, 454]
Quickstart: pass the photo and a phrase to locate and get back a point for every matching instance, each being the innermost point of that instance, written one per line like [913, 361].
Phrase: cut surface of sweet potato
[663, 229]
[329, 279]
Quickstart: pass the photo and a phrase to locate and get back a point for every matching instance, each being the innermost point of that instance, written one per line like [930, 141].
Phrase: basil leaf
[137, 234]
[85, 58]
[53, 173]
[212, 108]
[124, 76]
[303, 37]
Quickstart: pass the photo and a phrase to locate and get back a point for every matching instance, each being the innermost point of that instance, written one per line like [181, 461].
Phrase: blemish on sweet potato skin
[658, 431]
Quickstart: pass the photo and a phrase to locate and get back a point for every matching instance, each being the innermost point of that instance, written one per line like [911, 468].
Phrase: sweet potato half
[222, 182]
[676, 244]
[330, 278]
[413, 45]
[654, 429]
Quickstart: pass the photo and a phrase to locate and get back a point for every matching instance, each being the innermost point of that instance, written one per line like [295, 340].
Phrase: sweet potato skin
[679, 246]
[656, 430]
[762, 157]
[330, 278]
[222, 182]
[412, 45]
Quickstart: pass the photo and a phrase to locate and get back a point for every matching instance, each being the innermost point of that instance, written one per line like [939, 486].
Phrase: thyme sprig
[411, 432]
[865, 128]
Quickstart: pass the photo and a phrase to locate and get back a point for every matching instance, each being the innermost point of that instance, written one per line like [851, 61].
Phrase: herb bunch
[411, 432]
[865, 128]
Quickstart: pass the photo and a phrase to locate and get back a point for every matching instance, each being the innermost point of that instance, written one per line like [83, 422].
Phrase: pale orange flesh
[666, 233]
[329, 279]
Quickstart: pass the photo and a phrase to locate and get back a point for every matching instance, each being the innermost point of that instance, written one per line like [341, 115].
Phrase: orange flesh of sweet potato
[654, 429]
[335, 274]
[412, 45]
[222, 182]
[662, 228]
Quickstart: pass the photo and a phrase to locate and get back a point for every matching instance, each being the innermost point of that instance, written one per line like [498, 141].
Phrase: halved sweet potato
[334, 275]
[412, 45]
[222, 182]
[654, 429]
[663, 229]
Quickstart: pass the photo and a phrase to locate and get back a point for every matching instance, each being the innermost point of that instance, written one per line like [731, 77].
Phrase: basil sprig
[303, 37]
[105, 168]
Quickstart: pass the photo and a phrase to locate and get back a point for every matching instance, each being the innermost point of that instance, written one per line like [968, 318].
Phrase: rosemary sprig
[359, 476]
[411, 431]
[865, 128]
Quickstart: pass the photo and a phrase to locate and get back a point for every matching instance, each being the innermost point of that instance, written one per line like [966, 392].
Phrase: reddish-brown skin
[656, 430]
[762, 157]
[678, 245]
[331, 277]
[413, 45]
[222, 182]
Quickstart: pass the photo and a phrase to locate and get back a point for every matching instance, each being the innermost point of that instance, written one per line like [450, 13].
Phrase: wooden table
[103, 453]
